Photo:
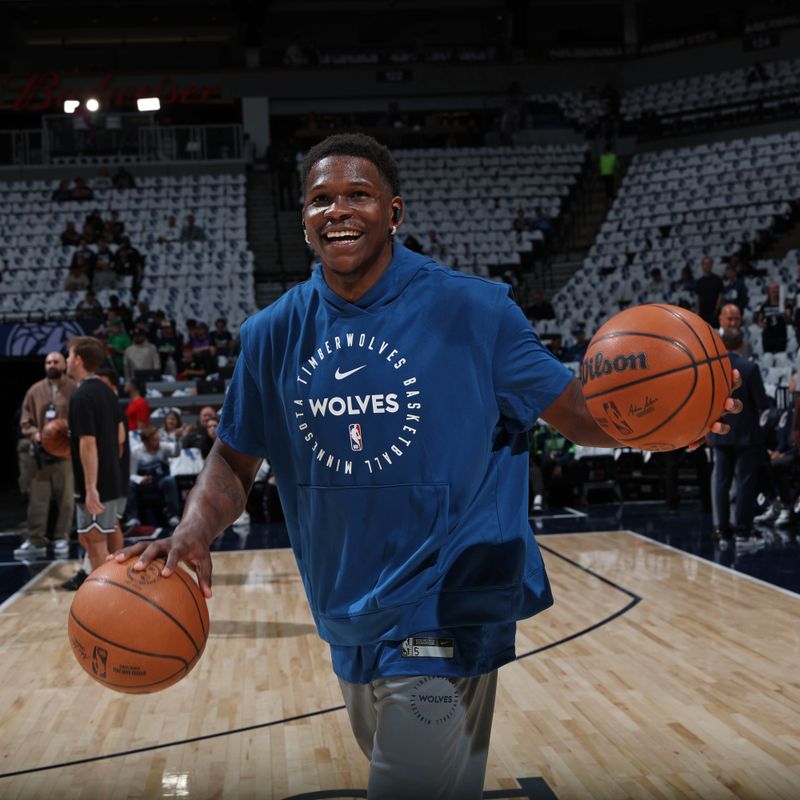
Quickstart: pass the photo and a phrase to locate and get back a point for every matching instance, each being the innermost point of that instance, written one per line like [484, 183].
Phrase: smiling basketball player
[391, 397]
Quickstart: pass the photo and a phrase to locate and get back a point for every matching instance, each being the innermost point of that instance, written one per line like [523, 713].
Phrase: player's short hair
[358, 145]
[90, 350]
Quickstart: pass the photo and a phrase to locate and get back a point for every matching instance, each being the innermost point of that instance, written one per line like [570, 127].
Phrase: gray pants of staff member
[427, 738]
[52, 480]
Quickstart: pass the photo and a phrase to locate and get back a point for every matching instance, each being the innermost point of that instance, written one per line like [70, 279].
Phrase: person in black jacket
[738, 454]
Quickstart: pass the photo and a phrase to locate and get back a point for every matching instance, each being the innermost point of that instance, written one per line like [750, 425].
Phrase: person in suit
[738, 454]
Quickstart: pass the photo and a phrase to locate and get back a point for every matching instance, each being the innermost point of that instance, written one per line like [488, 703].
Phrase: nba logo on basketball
[355, 438]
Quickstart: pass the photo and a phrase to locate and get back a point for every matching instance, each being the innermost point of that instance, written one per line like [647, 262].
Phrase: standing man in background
[46, 400]
[738, 454]
[97, 437]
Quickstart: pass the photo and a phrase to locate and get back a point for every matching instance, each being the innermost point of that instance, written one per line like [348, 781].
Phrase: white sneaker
[61, 547]
[30, 550]
[173, 521]
[769, 515]
[537, 503]
[784, 518]
[131, 524]
[244, 519]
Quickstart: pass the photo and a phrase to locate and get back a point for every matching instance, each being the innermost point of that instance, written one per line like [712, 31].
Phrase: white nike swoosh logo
[340, 376]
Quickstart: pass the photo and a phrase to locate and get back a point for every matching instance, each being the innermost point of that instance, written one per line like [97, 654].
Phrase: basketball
[55, 438]
[656, 377]
[138, 631]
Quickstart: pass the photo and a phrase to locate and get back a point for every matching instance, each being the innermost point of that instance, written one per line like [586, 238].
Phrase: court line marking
[736, 572]
[35, 579]
[258, 726]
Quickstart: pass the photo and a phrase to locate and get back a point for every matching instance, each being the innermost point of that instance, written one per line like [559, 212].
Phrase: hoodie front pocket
[371, 548]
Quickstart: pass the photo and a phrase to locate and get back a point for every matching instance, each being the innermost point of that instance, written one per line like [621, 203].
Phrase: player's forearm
[88, 454]
[569, 415]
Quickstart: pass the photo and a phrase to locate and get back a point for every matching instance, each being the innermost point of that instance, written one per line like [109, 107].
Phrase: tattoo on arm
[232, 489]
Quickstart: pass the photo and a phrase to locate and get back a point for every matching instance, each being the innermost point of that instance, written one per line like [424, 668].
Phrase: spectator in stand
[142, 314]
[539, 308]
[89, 306]
[170, 232]
[191, 232]
[85, 252]
[210, 437]
[197, 364]
[122, 311]
[114, 230]
[94, 220]
[138, 409]
[118, 342]
[70, 236]
[122, 179]
[81, 191]
[140, 354]
[201, 341]
[777, 473]
[193, 437]
[734, 289]
[772, 317]
[577, 350]
[128, 262]
[221, 338]
[173, 429]
[150, 474]
[731, 317]
[708, 294]
[687, 282]
[608, 170]
[103, 181]
[556, 456]
[104, 277]
[77, 277]
[104, 251]
[659, 290]
[191, 327]
[542, 221]
[555, 344]
[62, 193]
[520, 223]
[170, 349]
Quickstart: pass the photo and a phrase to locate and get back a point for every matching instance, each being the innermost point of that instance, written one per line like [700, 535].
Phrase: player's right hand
[187, 547]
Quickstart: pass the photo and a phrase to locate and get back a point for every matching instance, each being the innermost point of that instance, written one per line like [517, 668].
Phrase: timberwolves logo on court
[40, 338]
[359, 405]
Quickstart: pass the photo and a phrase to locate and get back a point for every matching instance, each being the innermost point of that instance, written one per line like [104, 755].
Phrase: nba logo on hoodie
[355, 438]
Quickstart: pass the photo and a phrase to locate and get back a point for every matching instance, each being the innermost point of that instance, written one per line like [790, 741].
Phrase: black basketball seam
[124, 646]
[704, 426]
[146, 600]
[184, 579]
[693, 365]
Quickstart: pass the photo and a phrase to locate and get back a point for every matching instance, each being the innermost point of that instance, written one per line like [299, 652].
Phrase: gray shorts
[102, 523]
[424, 736]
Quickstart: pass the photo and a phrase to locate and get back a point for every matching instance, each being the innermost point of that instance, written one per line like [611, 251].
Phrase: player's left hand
[732, 406]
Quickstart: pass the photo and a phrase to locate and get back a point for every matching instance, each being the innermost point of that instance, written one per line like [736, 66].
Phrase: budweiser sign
[45, 91]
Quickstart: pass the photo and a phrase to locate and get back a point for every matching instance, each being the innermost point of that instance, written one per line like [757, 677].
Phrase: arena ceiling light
[92, 104]
[148, 104]
[71, 106]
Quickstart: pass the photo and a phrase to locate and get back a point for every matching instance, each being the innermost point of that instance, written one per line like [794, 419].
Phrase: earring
[393, 230]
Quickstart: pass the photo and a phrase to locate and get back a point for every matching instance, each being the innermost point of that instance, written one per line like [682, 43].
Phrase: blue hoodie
[396, 430]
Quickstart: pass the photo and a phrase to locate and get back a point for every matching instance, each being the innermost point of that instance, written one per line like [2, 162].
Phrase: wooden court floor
[656, 675]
